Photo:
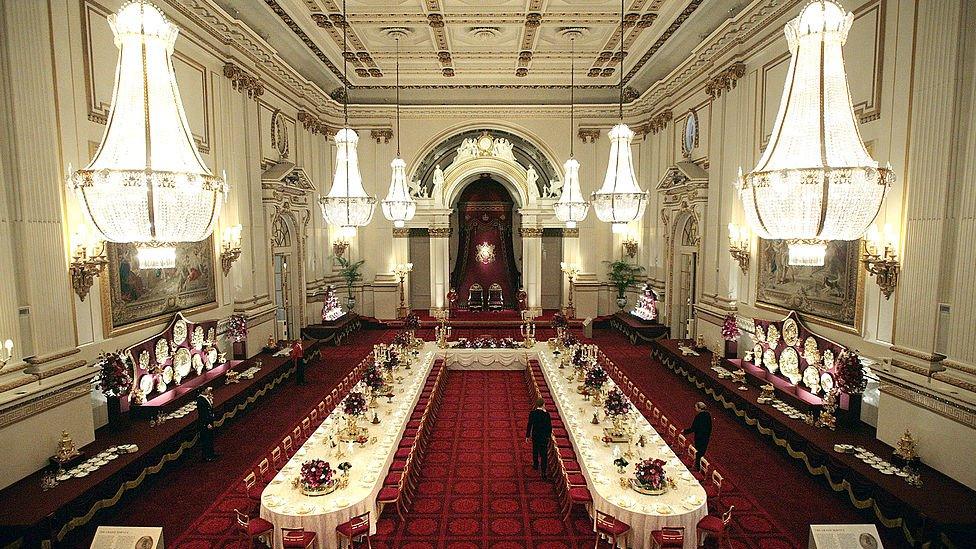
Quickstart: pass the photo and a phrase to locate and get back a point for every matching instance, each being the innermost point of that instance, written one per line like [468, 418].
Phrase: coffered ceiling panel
[482, 45]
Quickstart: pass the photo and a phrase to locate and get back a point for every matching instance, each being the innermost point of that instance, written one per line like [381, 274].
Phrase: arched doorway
[286, 271]
[485, 269]
[684, 271]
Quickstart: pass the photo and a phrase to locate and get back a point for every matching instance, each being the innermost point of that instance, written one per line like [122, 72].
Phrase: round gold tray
[640, 488]
[326, 488]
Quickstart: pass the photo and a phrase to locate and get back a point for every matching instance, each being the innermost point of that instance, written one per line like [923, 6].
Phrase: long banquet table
[486, 359]
[284, 505]
[684, 505]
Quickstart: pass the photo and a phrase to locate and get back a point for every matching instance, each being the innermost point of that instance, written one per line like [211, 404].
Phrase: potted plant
[349, 272]
[623, 275]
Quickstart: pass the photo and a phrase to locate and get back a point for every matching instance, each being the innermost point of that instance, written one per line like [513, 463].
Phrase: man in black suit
[539, 430]
[702, 428]
[205, 423]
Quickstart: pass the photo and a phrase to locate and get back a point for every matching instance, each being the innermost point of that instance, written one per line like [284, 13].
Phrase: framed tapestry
[133, 298]
[830, 295]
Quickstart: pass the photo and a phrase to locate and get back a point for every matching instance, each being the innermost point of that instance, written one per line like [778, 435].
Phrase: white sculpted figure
[438, 191]
[468, 149]
[417, 190]
[530, 181]
[554, 189]
[502, 148]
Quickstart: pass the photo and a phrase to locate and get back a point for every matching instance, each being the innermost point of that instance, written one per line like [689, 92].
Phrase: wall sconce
[739, 240]
[401, 270]
[7, 353]
[630, 247]
[880, 259]
[87, 261]
[339, 247]
[230, 247]
[571, 270]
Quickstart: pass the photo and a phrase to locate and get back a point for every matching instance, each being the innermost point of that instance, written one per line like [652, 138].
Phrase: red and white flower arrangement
[486, 342]
[316, 474]
[237, 328]
[373, 378]
[616, 403]
[411, 322]
[595, 378]
[558, 321]
[850, 373]
[113, 378]
[730, 328]
[650, 474]
[355, 404]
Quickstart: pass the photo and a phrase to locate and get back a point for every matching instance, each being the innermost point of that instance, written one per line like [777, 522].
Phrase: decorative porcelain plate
[211, 335]
[161, 384]
[791, 333]
[146, 383]
[760, 335]
[162, 351]
[828, 359]
[811, 378]
[757, 354]
[167, 375]
[197, 364]
[197, 338]
[769, 360]
[772, 336]
[182, 362]
[789, 364]
[826, 382]
[811, 351]
[212, 357]
[179, 332]
[144, 360]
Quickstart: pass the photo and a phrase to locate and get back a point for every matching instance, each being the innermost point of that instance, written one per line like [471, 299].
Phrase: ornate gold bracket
[84, 268]
[630, 247]
[884, 267]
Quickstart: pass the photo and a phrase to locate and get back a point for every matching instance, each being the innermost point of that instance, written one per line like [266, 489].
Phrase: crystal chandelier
[571, 208]
[815, 182]
[147, 183]
[398, 206]
[620, 200]
[347, 205]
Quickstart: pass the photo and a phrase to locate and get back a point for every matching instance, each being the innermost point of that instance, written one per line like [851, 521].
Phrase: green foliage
[623, 275]
[349, 271]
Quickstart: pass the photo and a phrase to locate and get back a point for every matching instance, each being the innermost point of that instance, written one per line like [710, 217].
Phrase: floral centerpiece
[373, 378]
[486, 342]
[237, 328]
[850, 373]
[570, 340]
[355, 404]
[558, 321]
[616, 404]
[401, 339]
[730, 328]
[316, 478]
[113, 378]
[650, 477]
[411, 322]
[595, 378]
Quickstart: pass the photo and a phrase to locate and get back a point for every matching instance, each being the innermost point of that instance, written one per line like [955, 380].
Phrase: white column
[440, 269]
[571, 247]
[532, 267]
[401, 254]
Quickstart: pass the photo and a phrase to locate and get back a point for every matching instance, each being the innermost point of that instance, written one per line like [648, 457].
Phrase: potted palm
[349, 272]
[623, 275]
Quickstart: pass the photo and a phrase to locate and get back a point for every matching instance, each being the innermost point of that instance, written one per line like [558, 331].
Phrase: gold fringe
[841, 486]
[172, 456]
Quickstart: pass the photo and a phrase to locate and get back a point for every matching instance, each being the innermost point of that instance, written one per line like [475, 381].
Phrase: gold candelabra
[87, 261]
[230, 248]
[442, 332]
[630, 247]
[401, 270]
[528, 332]
[739, 239]
[571, 270]
[339, 247]
[880, 259]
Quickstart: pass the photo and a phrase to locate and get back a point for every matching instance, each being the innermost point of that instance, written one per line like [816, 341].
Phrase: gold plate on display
[181, 362]
[769, 360]
[144, 361]
[760, 334]
[772, 336]
[757, 353]
[162, 351]
[828, 359]
[791, 332]
[811, 378]
[167, 375]
[211, 336]
[179, 331]
[212, 357]
[197, 338]
[811, 351]
[146, 383]
[161, 384]
[198, 364]
[826, 382]
[789, 364]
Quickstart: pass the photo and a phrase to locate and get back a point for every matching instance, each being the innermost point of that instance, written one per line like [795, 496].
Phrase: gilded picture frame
[134, 298]
[830, 295]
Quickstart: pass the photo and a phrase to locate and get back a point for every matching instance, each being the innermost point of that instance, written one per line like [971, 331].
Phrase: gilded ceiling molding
[725, 80]
[571, 233]
[439, 232]
[297, 29]
[667, 34]
[360, 58]
[588, 135]
[530, 232]
[401, 232]
[314, 125]
[244, 82]
[660, 121]
[381, 135]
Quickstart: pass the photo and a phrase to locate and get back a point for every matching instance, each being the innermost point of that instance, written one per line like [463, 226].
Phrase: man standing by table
[205, 423]
[702, 429]
[539, 430]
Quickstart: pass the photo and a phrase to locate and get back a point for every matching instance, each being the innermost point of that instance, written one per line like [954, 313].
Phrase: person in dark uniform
[539, 430]
[205, 422]
[298, 355]
[702, 429]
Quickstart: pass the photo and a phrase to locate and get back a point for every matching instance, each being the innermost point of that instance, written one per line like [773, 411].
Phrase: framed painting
[828, 295]
[133, 298]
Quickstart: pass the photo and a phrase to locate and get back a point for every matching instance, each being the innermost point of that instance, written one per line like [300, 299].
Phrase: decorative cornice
[381, 135]
[530, 232]
[667, 34]
[42, 359]
[571, 232]
[725, 80]
[401, 232]
[660, 121]
[314, 125]
[588, 135]
[928, 357]
[956, 365]
[243, 81]
[44, 402]
[927, 400]
[439, 232]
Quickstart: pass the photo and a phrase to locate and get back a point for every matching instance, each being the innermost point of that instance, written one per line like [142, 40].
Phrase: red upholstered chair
[296, 434]
[265, 469]
[714, 490]
[322, 409]
[681, 445]
[277, 458]
[254, 528]
[287, 446]
[609, 526]
[672, 432]
[706, 467]
[314, 416]
[690, 454]
[356, 527]
[655, 416]
[250, 483]
[297, 538]
[715, 526]
[669, 537]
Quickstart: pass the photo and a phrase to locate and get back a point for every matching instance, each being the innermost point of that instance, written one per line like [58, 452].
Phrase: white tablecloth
[685, 504]
[486, 359]
[285, 506]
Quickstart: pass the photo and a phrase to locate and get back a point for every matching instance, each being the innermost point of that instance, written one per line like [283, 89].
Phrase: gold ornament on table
[766, 394]
[827, 418]
[907, 448]
[528, 333]
[66, 448]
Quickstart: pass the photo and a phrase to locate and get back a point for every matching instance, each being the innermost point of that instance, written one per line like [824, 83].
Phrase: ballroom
[487, 274]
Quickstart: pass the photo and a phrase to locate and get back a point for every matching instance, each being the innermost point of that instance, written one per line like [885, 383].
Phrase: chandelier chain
[572, 93]
[620, 108]
[398, 94]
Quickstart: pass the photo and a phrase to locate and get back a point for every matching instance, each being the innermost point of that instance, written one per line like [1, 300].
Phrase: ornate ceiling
[476, 49]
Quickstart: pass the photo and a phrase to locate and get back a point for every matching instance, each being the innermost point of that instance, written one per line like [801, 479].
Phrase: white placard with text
[128, 537]
[844, 536]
